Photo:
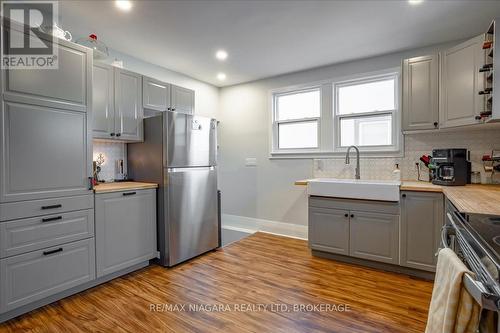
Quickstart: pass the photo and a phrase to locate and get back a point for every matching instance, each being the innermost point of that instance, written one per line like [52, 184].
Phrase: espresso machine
[450, 167]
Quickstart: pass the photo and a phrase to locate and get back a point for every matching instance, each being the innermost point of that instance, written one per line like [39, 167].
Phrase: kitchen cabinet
[422, 217]
[32, 276]
[117, 104]
[103, 101]
[329, 230]
[182, 100]
[125, 228]
[374, 236]
[356, 228]
[155, 94]
[420, 93]
[460, 102]
[128, 106]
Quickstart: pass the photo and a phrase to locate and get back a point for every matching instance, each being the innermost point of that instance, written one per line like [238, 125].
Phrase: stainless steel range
[476, 240]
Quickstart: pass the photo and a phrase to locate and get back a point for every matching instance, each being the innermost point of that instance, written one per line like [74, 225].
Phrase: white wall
[267, 191]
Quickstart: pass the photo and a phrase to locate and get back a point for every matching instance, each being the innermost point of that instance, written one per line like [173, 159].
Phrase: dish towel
[452, 309]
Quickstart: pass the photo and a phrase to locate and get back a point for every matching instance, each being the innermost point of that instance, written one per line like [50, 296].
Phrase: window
[296, 119]
[365, 113]
[323, 119]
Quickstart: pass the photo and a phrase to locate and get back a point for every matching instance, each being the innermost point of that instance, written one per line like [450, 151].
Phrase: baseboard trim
[252, 225]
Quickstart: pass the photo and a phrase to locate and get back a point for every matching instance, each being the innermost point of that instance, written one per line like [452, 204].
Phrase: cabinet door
[182, 100]
[374, 236]
[125, 229]
[66, 87]
[420, 93]
[155, 94]
[128, 105]
[44, 152]
[422, 217]
[329, 230]
[103, 101]
[461, 83]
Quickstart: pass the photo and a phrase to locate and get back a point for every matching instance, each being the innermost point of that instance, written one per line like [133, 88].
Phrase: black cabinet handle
[118, 134]
[46, 253]
[436, 124]
[129, 193]
[55, 218]
[52, 206]
[169, 109]
[112, 134]
[346, 215]
[173, 109]
[352, 215]
[404, 195]
[477, 117]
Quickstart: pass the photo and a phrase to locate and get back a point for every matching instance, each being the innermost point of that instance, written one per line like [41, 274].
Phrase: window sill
[332, 155]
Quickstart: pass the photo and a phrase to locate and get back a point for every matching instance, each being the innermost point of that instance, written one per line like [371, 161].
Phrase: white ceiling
[268, 38]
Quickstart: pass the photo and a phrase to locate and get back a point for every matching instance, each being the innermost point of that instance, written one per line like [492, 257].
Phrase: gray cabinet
[155, 94]
[32, 276]
[44, 152]
[422, 217]
[103, 101]
[461, 82]
[374, 236]
[329, 230]
[420, 93]
[125, 229]
[182, 100]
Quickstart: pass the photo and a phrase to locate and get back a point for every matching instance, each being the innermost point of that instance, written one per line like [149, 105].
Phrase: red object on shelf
[93, 36]
[487, 45]
[486, 157]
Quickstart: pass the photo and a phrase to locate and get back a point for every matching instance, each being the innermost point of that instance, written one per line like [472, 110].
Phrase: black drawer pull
[46, 253]
[55, 218]
[52, 206]
[129, 193]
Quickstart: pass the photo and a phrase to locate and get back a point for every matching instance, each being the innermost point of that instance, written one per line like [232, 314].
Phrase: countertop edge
[125, 186]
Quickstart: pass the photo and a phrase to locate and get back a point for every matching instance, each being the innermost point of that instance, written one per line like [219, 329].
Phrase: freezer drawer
[191, 140]
[192, 216]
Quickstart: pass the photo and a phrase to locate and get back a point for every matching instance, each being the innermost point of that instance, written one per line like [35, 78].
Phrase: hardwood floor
[260, 269]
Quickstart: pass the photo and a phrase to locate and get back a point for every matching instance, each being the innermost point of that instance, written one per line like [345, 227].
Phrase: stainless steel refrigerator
[179, 153]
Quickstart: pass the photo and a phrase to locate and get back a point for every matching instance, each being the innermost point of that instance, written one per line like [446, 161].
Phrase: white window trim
[327, 125]
[395, 113]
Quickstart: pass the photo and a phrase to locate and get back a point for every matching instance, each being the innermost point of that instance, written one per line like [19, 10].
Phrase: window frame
[276, 122]
[328, 123]
[395, 113]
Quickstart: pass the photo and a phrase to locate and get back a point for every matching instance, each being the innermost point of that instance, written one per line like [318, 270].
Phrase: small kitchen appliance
[450, 167]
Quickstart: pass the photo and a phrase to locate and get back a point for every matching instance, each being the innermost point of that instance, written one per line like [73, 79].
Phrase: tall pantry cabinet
[46, 196]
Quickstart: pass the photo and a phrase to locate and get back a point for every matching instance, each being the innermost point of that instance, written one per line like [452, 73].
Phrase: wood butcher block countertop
[474, 199]
[122, 186]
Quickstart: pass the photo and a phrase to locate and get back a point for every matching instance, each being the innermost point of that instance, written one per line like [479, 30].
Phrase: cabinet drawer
[21, 236]
[33, 276]
[24, 209]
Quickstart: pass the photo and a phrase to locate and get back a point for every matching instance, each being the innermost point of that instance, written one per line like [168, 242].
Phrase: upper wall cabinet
[420, 93]
[117, 104]
[128, 105]
[460, 103]
[155, 94]
[159, 96]
[182, 100]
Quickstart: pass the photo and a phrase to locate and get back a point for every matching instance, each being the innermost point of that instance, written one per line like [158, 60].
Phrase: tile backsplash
[477, 142]
[112, 152]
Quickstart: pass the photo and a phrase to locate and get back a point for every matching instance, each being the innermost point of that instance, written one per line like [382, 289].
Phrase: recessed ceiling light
[415, 2]
[221, 76]
[124, 5]
[221, 55]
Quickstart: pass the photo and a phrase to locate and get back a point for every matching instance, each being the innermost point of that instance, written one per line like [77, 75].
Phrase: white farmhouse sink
[384, 190]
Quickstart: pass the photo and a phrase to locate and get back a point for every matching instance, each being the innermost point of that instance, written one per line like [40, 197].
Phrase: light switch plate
[250, 161]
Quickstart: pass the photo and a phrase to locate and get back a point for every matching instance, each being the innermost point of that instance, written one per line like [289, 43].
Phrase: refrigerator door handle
[190, 169]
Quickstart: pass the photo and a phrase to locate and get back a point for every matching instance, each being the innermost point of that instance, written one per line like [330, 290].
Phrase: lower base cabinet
[125, 229]
[329, 230]
[32, 276]
[422, 217]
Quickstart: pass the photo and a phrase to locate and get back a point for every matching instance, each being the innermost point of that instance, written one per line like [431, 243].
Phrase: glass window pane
[298, 135]
[300, 105]
[367, 97]
[366, 131]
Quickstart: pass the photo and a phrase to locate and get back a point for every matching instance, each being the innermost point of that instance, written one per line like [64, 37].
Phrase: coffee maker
[450, 167]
